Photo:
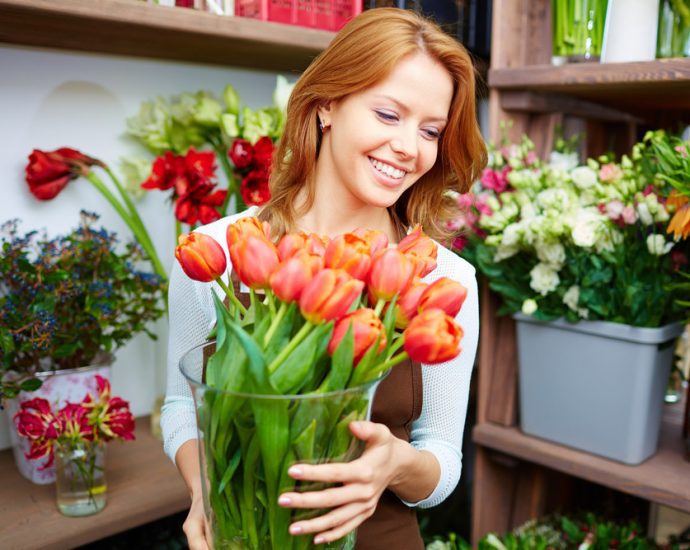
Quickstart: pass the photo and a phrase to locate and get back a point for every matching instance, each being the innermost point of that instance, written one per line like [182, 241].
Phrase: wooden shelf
[143, 485]
[664, 478]
[135, 28]
[660, 84]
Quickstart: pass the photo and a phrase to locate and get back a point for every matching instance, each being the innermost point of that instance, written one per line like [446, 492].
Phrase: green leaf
[230, 470]
[30, 385]
[304, 443]
[341, 363]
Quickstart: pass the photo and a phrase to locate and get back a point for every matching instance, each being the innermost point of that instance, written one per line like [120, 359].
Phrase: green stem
[395, 346]
[383, 367]
[139, 232]
[287, 350]
[231, 295]
[379, 306]
[275, 323]
[271, 303]
[233, 187]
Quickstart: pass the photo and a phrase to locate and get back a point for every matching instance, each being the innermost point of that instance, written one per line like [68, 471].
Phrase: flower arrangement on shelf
[68, 299]
[327, 318]
[191, 131]
[76, 434]
[576, 241]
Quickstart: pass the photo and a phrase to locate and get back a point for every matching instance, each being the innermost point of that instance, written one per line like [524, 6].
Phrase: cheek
[428, 152]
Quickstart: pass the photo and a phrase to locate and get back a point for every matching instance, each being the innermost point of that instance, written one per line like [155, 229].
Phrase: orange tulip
[351, 253]
[445, 294]
[292, 243]
[291, 276]
[421, 250]
[201, 257]
[329, 295]
[254, 259]
[377, 240]
[432, 337]
[366, 326]
[244, 227]
[391, 273]
[407, 305]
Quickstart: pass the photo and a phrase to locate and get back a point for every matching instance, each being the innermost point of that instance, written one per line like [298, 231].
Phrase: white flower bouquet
[578, 241]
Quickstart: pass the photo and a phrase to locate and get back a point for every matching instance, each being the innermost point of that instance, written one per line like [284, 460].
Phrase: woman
[379, 128]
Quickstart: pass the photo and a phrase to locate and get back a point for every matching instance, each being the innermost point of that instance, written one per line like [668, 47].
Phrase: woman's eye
[431, 133]
[386, 116]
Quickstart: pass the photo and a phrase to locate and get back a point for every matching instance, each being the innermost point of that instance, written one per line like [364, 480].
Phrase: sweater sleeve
[439, 428]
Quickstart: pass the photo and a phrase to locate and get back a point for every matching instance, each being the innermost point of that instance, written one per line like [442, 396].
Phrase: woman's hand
[194, 526]
[363, 481]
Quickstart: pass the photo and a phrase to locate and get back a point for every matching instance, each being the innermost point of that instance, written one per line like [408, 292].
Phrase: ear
[324, 113]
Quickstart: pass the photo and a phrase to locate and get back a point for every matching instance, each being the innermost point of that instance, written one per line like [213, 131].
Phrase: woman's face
[380, 141]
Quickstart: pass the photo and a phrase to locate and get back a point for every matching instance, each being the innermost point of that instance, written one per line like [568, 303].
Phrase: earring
[320, 125]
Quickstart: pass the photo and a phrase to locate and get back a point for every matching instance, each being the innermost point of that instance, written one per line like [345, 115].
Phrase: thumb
[370, 432]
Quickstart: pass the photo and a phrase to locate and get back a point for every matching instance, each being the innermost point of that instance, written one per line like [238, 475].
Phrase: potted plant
[67, 303]
[580, 255]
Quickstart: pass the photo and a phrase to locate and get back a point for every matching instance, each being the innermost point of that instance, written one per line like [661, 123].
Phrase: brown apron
[398, 403]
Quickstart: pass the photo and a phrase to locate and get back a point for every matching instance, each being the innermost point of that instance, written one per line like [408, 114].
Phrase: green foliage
[67, 299]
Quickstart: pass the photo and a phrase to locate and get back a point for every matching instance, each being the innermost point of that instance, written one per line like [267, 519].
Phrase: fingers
[338, 472]
[371, 432]
[195, 529]
[340, 531]
[328, 498]
[342, 519]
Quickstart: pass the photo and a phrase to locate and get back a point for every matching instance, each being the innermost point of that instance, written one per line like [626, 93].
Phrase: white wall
[50, 99]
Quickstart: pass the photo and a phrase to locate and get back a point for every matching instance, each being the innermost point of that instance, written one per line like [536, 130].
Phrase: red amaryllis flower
[35, 420]
[254, 188]
[110, 415]
[200, 204]
[181, 172]
[201, 257]
[432, 337]
[48, 172]
[366, 327]
[241, 153]
[263, 153]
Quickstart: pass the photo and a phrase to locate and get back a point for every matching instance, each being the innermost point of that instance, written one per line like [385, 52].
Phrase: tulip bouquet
[326, 318]
[586, 241]
[76, 432]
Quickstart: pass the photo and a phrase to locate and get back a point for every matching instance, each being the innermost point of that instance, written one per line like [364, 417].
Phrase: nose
[404, 144]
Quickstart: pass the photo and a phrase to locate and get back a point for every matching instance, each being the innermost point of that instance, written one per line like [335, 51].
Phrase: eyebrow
[405, 108]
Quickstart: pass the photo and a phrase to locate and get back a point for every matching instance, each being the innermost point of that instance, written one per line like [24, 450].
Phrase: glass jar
[673, 37]
[577, 30]
[80, 478]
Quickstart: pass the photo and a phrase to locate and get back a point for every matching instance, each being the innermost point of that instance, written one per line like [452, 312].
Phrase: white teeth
[387, 169]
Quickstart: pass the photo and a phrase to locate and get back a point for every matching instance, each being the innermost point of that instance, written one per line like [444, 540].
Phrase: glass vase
[247, 443]
[577, 30]
[80, 478]
[673, 37]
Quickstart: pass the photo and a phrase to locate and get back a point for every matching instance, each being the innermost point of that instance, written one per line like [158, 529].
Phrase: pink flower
[35, 421]
[614, 209]
[683, 150]
[494, 180]
[466, 200]
[610, 172]
[629, 215]
[110, 416]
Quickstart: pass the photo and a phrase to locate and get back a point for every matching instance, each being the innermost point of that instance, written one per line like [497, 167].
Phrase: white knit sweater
[440, 426]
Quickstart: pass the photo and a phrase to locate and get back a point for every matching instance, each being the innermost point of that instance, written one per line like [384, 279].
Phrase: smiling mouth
[387, 169]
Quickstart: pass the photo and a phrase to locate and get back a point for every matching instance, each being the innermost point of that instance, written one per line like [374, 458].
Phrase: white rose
[585, 228]
[511, 235]
[571, 297]
[584, 177]
[551, 253]
[544, 279]
[505, 252]
[529, 306]
[657, 245]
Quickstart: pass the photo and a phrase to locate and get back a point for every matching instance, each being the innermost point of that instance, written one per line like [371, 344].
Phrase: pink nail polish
[295, 529]
[295, 471]
[284, 500]
[319, 540]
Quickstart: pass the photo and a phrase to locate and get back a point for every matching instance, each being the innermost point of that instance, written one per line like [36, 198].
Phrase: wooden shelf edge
[143, 485]
[664, 478]
[673, 70]
[127, 27]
